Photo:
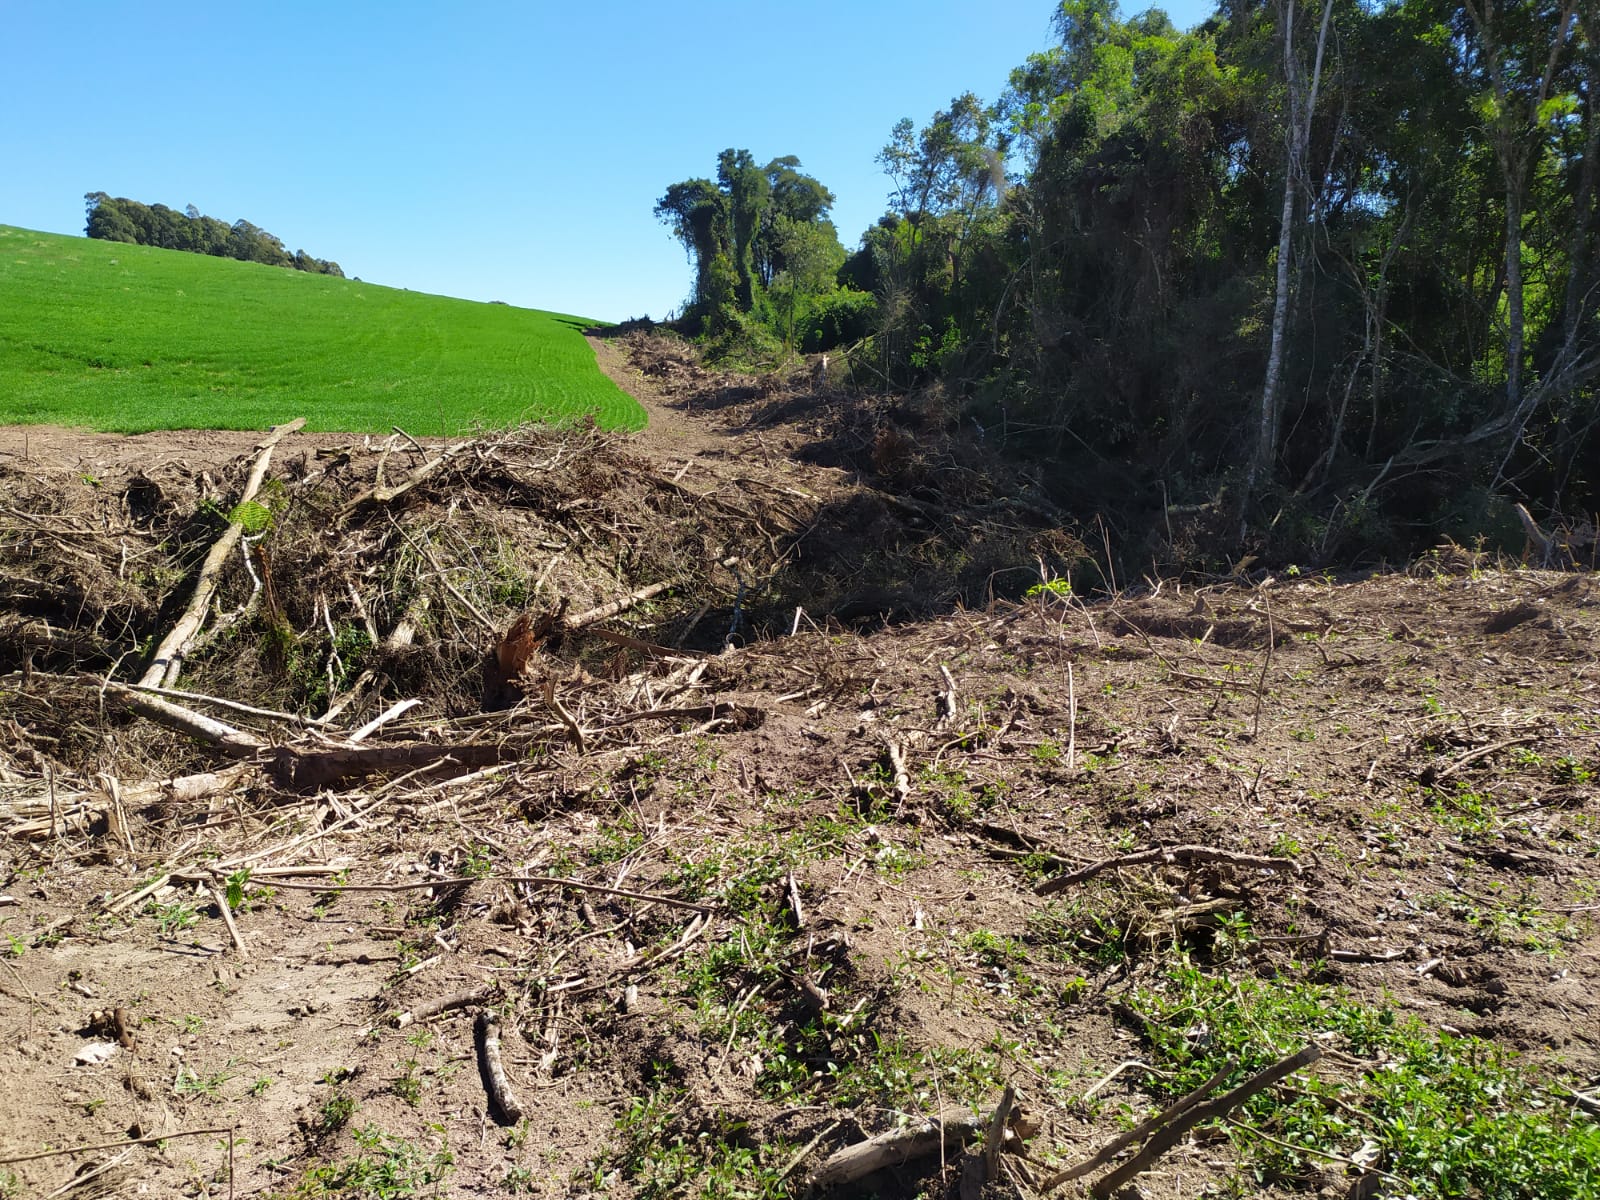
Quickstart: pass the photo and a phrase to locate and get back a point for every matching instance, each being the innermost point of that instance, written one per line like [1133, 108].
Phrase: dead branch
[607, 611]
[380, 493]
[995, 1139]
[167, 661]
[308, 770]
[231, 741]
[950, 1130]
[152, 1140]
[1188, 855]
[444, 1004]
[1119, 1143]
[503, 1099]
[220, 899]
[574, 730]
[1168, 1135]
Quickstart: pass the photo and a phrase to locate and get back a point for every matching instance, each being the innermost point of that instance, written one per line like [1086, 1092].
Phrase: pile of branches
[362, 577]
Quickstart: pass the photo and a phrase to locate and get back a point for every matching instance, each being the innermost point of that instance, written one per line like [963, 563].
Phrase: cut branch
[167, 661]
[950, 1130]
[1187, 855]
[1169, 1135]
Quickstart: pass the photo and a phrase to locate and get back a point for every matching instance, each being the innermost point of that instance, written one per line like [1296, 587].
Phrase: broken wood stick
[901, 773]
[950, 1130]
[381, 493]
[443, 1004]
[503, 1100]
[1187, 855]
[1168, 1135]
[219, 897]
[1123, 1140]
[606, 611]
[231, 741]
[397, 709]
[553, 703]
[96, 1147]
[167, 661]
[995, 1139]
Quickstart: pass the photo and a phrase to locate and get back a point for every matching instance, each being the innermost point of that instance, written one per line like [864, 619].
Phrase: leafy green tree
[749, 231]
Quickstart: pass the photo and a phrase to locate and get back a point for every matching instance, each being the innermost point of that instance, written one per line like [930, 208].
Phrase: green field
[128, 338]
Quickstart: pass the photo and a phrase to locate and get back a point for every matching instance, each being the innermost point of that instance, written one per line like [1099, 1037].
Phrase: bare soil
[764, 940]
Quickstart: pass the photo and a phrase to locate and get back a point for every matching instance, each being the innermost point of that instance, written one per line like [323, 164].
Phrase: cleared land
[740, 909]
[129, 338]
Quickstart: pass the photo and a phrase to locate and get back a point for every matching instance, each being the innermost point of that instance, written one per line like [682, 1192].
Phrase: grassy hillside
[128, 338]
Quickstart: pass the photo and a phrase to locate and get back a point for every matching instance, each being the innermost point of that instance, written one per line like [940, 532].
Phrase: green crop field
[129, 338]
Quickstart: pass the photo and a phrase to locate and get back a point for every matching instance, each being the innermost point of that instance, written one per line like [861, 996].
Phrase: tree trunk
[1296, 138]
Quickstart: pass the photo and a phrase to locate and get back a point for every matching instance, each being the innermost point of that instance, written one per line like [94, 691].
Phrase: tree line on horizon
[1317, 276]
[118, 219]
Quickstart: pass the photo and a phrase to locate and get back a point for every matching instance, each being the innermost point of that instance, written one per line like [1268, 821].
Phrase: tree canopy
[118, 219]
[1322, 271]
[765, 253]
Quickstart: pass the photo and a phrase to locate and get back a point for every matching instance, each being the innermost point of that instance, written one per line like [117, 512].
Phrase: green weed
[1450, 1116]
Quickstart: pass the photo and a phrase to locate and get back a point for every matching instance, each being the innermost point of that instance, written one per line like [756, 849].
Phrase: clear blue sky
[491, 150]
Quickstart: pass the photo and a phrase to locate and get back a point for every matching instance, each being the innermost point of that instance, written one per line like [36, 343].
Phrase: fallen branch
[231, 741]
[1119, 1143]
[607, 611]
[167, 660]
[444, 1004]
[380, 493]
[503, 1099]
[952, 1129]
[120, 1143]
[220, 899]
[1168, 1135]
[1188, 855]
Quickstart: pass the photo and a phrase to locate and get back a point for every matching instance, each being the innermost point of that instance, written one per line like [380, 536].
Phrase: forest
[1315, 280]
[117, 219]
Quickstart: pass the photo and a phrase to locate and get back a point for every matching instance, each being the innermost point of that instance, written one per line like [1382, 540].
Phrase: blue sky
[495, 151]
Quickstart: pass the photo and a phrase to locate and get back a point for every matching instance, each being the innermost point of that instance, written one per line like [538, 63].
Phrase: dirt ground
[842, 830]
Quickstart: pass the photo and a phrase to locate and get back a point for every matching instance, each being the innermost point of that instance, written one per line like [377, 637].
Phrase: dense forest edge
[118, 219]
[1317, 284]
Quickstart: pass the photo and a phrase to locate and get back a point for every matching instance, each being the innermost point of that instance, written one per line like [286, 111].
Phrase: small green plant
[251, 516]
[188, 1083]
[1570, 770]
[260, 1086]
[16, 947]
[1055, 588]
[235, 893]
[408, 1084]
[335, 1112]
[384, 1167]
[661, 1155]
[175, 917]
[477, 863]
[1452, 1116]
